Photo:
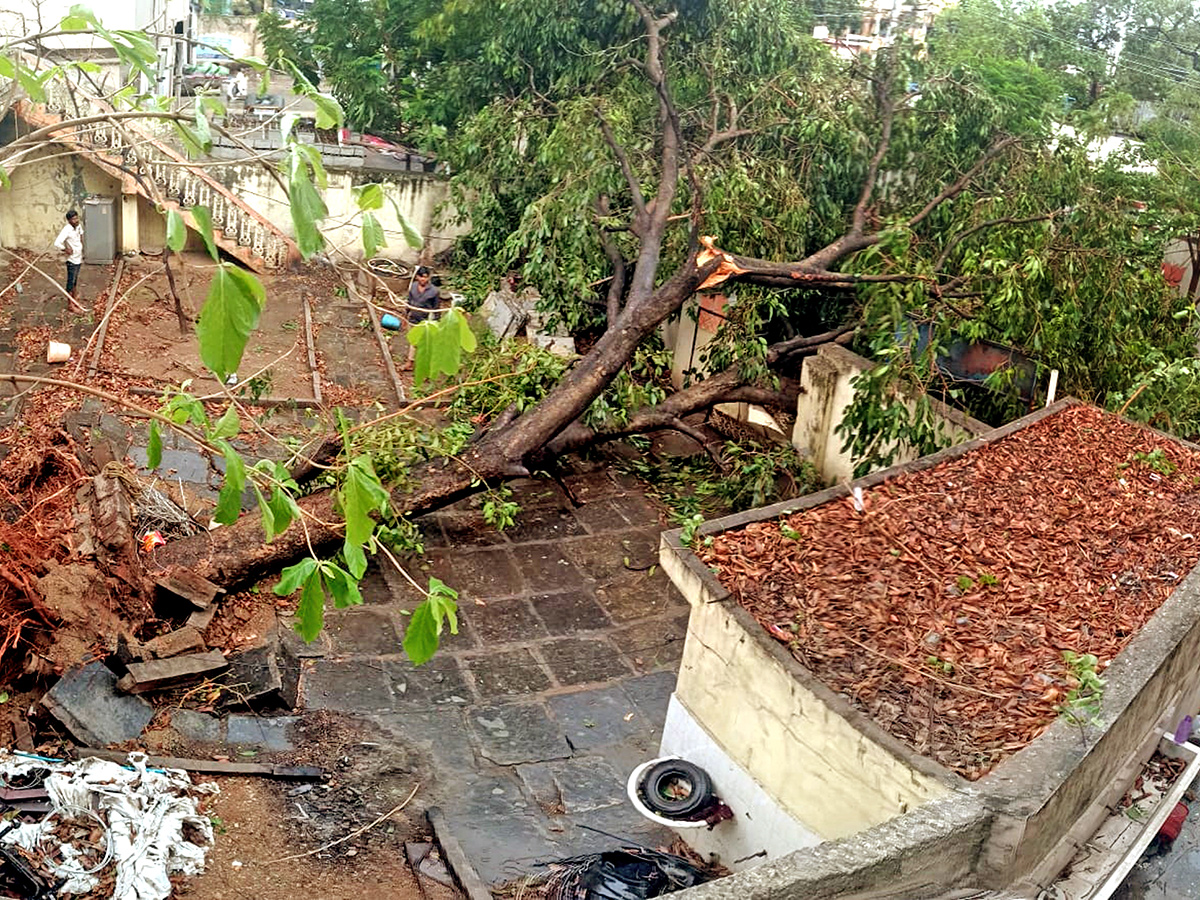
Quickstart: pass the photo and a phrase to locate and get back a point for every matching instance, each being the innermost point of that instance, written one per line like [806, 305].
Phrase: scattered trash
[140, 826]
[57, 352]
[220, 766]
[152, 540]
[631, 873]
[673, 792]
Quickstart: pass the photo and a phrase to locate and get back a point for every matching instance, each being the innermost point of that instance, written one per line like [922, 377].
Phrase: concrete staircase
[147, 165]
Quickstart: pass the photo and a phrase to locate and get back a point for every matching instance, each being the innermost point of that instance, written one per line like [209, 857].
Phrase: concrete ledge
[917, 855]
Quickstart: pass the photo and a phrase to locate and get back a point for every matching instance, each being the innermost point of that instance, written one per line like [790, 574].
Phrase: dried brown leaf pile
[943, 609]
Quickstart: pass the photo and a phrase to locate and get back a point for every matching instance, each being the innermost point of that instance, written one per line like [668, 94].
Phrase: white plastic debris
[148, 818]
[857, 496]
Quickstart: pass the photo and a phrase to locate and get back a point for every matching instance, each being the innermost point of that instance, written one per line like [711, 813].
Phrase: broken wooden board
[184, 583]
[213, 766]
[161, 673]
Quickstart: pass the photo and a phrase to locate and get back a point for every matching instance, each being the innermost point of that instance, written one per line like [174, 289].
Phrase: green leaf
[308, 153]
[267, 514]
[372, 235]
[284, 509]
[176, 231]
[73, 22]
[342, 586]
[369, 196]
[203, 131]
[308, 209]
[293, 576]
[287, 123]
[154, 447]
[193, 143]
[30, 82]
[228, 425]
[424, 631]
[203, 219]
[329, 111]
[310, 614]
[466, 337]
[411, 235]
[6, 68]
[230, 313]
[229, 501]
[361, 494]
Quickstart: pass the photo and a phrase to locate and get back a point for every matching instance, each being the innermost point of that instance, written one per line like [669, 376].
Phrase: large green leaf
[425, 625]
[361, 494]
[329, 111]
[230, 313]
[342, 585]
[295, 575]
[283, 509]
[369, 196]
[154, 447]
[228, 425]
[372, 235]
[266, 514]
[307, 208]
[204, 225]
[229, 501]
[176, 231]
[411, 235]
[310, 615]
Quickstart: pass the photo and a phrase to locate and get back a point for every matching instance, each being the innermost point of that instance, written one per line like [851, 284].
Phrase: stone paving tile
[501, 831]
[532, 493]
[596, 718]
[507, 672]
[652, 644]
[269, 733]
[443, 734]
[513, 733]
[375, 588]
[638, 511]
[484, 574]
[362, 632]
[436, 683]
[431, 531]
[583, 660]
[544, 524]
[590, 486]
[546, 568]
[602, 515]
[347, 685]
[651, 694]
[569, 612]
[504, 621]
[540, 786]
[586, 783]
[469, 530]
[197, 726]
[647, 594]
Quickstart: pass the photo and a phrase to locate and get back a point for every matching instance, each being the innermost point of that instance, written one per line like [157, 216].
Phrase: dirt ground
[253, 830]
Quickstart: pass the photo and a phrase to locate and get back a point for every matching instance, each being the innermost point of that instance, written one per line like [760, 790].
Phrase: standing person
[423, 296]
[70, 242]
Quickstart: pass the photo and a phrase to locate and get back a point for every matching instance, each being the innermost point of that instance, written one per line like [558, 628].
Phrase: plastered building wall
[820, 768]
[32, 210]
[418, 198]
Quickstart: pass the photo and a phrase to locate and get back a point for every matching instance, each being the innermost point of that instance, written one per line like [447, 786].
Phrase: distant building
[882, 21]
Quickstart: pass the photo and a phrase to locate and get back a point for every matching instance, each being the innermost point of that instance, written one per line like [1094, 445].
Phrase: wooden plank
[213, 766]
[285, 402]
[112, 299]
[160, 673]
[312, 350]
[352, 291]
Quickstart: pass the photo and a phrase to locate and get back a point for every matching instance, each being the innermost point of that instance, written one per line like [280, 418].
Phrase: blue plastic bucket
[387, 320]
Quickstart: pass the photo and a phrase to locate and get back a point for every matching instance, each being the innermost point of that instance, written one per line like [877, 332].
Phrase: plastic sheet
[149, 818]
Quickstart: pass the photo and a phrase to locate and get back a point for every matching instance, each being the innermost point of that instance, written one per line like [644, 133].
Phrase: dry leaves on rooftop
[943, 609]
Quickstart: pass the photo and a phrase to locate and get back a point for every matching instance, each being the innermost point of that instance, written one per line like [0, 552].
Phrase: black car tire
[660, 776]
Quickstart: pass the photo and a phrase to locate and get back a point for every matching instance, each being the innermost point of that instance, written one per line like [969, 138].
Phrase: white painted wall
[760, 829]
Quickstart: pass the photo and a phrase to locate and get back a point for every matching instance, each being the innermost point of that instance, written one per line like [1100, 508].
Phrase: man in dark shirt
[423, 296]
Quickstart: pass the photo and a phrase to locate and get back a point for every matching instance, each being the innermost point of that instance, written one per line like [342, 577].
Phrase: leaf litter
[943, 608]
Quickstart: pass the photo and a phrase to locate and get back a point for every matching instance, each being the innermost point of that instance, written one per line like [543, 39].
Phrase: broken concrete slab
[187, 585]
[197, 726]
[202, 618]
[262, 676]
[161, 673]
[174, 643]
[505, 313]
[86, 701]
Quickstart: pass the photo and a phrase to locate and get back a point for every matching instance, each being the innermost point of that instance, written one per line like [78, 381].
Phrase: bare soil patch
[943, 609]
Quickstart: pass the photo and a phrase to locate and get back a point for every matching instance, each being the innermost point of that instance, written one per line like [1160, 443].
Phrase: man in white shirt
[70, 242]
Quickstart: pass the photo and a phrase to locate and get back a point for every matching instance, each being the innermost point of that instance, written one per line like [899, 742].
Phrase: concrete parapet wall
[827, 390]
[917, 856]
[1041, 804]
[828, 766]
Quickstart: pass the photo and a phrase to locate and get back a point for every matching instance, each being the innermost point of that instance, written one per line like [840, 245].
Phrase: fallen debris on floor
[161, 673]
[87, 702]
[219, 767]
[126, 824]
[631, 873]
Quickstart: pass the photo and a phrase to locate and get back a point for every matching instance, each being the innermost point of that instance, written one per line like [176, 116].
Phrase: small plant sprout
[964, 582]
[1082, 706]
[687, 533]
[987, 579]
[789, 532]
